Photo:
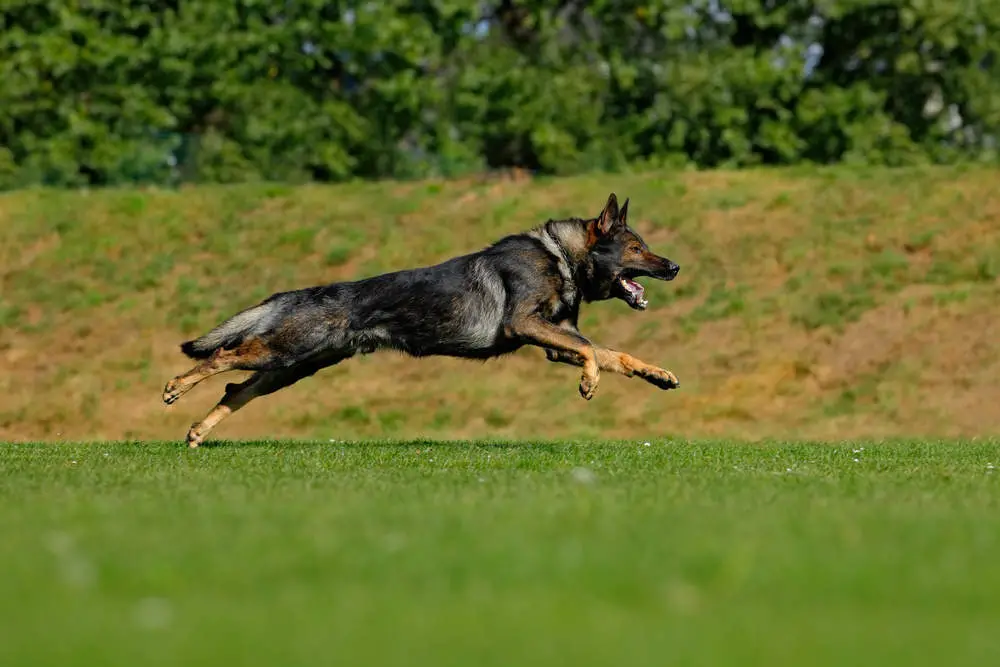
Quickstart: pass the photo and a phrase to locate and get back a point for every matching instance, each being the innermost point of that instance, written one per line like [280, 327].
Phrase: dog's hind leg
[249, 355]
[259, 384]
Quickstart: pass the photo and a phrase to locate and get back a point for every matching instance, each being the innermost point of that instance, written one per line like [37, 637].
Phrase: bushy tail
[232, 332]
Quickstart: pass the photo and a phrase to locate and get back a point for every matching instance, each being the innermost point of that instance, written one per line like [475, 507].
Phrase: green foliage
[162, 92]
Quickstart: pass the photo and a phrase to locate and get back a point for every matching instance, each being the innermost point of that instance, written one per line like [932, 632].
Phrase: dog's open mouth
[633, 293]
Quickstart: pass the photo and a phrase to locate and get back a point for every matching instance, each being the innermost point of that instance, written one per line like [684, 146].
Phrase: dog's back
[455, 308]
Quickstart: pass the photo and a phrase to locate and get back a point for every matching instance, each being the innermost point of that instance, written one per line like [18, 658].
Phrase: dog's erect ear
[608, 218]
[623, 213]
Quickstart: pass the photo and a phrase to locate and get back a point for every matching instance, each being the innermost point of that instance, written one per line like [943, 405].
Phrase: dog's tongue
[634, 288]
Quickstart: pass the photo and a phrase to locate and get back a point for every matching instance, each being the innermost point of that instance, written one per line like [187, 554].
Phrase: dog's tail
[233, 331]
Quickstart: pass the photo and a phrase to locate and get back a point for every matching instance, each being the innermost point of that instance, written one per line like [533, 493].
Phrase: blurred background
[824, 172]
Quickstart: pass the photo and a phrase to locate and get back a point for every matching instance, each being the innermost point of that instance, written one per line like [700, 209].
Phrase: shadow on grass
[304, 443]
[542, 445]
[414, 443]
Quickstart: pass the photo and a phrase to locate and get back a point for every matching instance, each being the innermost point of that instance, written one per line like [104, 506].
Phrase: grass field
[816, 303]
[489, 553]
[839, 306]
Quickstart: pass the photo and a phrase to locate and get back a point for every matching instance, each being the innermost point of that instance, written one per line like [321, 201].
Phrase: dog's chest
[564, 301]
[558, 309]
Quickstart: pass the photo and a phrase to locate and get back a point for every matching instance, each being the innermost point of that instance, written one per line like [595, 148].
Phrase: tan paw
[194, 436]
[173, 391]
[588, 384]
[659, 377]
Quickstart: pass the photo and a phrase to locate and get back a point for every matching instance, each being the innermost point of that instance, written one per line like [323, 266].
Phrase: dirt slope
[822, 304]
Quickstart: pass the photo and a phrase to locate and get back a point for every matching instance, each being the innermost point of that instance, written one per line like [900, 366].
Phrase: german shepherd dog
[525, 289]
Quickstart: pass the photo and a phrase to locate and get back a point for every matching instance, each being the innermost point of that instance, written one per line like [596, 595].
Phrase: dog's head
[619, 255]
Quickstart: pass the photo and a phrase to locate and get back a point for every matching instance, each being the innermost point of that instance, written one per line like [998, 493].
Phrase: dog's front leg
[543, 333]
[562, 357]
[627, 365]
[621, 363]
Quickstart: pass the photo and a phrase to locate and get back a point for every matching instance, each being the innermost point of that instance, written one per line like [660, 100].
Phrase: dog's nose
[672, 269]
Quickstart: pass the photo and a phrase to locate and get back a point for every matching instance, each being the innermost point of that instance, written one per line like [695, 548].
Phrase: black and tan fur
[525, 289]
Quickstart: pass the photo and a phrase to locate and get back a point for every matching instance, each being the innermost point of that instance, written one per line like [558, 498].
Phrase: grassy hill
[818, 303]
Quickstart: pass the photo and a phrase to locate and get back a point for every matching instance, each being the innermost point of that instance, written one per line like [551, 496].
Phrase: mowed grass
[492, 553]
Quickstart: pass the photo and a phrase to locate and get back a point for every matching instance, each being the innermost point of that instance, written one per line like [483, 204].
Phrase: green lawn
[435, 553]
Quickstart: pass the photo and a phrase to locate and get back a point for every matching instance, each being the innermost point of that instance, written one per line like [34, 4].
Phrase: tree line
[96, 92]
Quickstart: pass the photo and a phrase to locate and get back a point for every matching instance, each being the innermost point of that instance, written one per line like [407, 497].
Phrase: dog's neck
[570, 240]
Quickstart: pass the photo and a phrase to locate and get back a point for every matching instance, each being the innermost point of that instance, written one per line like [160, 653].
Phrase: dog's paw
[173, 391]
[659, 377]
[194, 436]
[588, 385]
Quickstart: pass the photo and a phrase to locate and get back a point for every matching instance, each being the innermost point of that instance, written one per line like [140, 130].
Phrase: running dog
[525, 289]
